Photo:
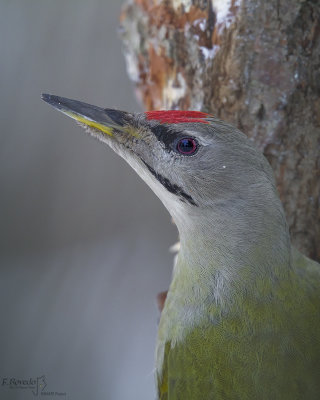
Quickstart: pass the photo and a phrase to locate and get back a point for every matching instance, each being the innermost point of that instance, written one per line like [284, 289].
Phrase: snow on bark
[151, 31]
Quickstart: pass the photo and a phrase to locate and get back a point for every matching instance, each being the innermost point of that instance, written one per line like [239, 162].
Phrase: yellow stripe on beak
[106, 120]
[88, 122]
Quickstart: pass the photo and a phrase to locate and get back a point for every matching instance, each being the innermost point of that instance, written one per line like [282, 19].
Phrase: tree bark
[253, 63]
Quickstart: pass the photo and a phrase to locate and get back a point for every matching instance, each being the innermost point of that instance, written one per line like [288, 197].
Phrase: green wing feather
[268, 347]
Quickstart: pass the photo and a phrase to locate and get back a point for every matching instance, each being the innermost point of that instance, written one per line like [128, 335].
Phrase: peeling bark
[255, 64]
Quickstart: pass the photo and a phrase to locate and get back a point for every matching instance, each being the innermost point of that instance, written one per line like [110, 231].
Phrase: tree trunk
[253, 63]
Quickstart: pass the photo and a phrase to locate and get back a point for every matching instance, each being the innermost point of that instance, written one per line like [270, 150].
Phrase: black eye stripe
[170, 138]
[164, 135]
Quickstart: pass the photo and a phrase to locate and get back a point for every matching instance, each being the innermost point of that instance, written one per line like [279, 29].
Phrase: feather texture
[265, 346]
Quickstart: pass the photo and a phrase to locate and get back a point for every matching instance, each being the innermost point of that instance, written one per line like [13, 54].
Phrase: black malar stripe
[171, 187]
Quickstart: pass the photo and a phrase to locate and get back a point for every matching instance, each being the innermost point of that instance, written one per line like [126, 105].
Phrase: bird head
[196, 164]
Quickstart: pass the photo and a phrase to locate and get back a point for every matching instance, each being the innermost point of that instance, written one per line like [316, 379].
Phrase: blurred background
[84, 242]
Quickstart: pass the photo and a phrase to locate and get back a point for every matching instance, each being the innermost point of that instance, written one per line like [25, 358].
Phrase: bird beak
[106, 121]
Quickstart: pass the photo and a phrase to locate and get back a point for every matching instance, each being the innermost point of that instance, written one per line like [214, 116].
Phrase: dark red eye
[187, 146]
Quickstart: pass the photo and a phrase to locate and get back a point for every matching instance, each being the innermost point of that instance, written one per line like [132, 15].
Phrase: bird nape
[241, 319]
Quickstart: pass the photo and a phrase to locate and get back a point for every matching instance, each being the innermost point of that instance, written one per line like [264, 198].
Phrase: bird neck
[226, 249]
[231, 255]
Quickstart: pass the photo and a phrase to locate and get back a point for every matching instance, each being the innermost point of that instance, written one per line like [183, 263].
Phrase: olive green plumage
[264, 345]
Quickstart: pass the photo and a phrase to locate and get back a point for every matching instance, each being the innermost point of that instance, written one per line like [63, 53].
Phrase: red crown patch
[177, 117]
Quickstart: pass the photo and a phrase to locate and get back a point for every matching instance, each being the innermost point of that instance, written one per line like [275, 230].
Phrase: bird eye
[187, 146]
